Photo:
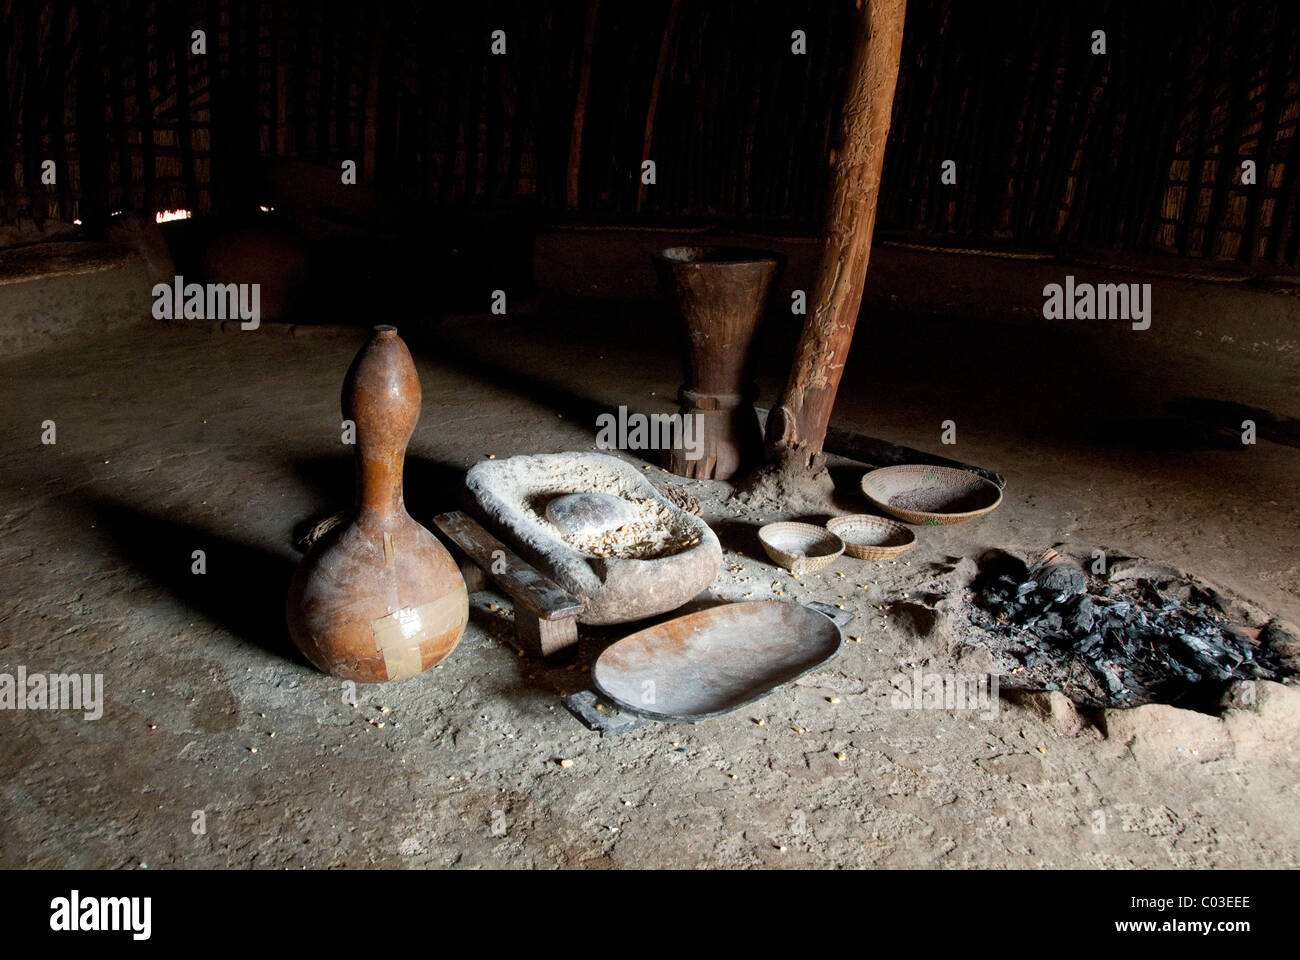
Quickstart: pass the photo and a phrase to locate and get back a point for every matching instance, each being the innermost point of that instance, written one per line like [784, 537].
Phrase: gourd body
[378, 598]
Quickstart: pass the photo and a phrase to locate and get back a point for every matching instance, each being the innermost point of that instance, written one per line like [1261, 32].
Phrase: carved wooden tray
[711, 662]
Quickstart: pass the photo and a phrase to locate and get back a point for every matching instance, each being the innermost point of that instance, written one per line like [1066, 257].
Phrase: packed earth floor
[171, 440]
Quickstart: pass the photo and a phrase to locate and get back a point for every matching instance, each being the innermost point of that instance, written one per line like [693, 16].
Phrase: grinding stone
[612, 590]
[588, 514]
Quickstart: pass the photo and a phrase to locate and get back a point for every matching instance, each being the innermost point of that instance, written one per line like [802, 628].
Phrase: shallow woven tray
[800, 547]
[872, 538]
[931, 495]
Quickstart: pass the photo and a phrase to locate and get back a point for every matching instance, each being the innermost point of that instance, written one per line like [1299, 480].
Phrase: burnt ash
[1108, 642]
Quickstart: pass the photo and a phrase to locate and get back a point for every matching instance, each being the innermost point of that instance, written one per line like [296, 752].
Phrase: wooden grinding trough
[709, 663]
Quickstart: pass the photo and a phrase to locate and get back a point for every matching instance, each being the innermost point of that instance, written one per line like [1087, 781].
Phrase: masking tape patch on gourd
[399, 635]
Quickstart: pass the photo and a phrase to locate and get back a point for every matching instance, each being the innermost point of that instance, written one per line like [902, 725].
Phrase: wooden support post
[370, 114]
[572, 197]
[661, 65]
[797, 428]
[144, 103]
[92, 133]
[33, 130]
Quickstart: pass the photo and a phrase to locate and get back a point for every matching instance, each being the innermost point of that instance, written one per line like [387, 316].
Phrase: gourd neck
[381, 396]
[379, 488]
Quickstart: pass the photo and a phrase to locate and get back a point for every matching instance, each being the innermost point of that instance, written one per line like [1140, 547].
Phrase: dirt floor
[172, 440]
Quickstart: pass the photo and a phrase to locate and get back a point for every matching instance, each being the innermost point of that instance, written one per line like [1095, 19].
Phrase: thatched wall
[1139, 149]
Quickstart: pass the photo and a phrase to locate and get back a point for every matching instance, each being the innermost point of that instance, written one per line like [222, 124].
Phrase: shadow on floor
[484, 365]
[1226, 417]
[243, 587]
[1198, 423]
[740, 536]
[847, 495]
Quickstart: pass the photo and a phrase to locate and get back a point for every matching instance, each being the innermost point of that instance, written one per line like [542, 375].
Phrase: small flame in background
[162, 216]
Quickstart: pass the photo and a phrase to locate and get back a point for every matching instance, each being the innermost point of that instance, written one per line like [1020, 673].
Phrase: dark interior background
[1137, 150]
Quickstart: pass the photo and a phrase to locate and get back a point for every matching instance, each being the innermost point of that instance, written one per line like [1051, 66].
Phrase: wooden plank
[882, 453]
[519, 579]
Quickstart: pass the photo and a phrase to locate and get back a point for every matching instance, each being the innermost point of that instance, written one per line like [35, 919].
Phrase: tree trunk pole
[665, 45]
[580, 107]
[797, 427]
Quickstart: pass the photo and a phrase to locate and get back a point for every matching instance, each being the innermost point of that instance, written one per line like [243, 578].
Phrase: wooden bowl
[800, 547]
[931, 495]
[872, 538]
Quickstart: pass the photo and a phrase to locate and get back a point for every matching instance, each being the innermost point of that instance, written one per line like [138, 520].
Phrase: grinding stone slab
[612, 590]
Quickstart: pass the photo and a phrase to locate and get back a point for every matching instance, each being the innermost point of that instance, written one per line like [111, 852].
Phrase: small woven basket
[872, 538]
[800, 547]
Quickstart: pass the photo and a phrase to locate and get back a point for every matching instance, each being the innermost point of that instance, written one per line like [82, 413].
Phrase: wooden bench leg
[546, 615]
[474, 577]
[541, 638]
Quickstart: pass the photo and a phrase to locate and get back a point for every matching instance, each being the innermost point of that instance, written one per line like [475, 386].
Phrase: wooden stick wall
[1054, 146]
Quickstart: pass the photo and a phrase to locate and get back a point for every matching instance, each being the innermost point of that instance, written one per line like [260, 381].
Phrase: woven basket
[800, 547]
[931, 495]
[872, 538]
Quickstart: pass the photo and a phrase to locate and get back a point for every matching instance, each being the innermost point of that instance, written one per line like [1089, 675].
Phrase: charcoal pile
[1142, 634]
